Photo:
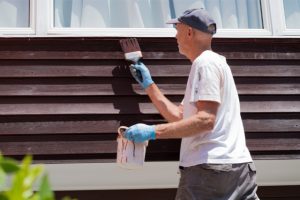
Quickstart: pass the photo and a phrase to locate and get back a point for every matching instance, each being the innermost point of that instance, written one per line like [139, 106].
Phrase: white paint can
[130, 155]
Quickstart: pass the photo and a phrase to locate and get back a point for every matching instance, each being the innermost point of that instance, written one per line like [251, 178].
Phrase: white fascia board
[113, 32]
[154, 175]
[146, 32]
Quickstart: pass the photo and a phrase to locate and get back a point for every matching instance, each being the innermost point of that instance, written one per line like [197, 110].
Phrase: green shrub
[23, 176]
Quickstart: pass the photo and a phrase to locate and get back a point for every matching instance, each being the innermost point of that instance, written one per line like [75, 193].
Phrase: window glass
[14, 13]
[228, 14]
[111, 13]
[231, 14]
[292, 13]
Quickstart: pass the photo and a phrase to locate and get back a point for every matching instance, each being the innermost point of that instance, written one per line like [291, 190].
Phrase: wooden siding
[264, 193]
[62, 99]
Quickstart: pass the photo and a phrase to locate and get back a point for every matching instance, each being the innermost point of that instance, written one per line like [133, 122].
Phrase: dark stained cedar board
[264, 193]
[58, 94]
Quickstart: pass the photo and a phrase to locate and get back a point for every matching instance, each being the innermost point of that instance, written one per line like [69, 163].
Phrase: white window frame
[42, 20]
[278, 19]
[159, 32]
[20, 30]
[255, 33]
[106, 32]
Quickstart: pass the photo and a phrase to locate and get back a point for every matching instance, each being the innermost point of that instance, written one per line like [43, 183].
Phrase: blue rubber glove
[140, 133]
[141, 74]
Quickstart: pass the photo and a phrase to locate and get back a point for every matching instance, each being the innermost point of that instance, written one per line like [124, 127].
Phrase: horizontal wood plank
[270, 107]
[278, 144]
[272, 125]
[59, 127]
[58, 147]
[265, 70]
[110, 147]
[263, 192]
[119, 88]
[58, 70]
[268, 89]
[139, 108]
[111, 126]
[92, 69]
[157, 55]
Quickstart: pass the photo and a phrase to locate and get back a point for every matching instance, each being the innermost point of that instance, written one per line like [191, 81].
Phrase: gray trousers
[218, 182]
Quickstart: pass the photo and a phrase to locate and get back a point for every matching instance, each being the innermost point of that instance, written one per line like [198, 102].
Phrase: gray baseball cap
[198, 19]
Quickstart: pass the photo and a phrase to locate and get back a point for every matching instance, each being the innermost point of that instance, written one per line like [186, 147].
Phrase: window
[15, 16]
[14, 13]
[111, 14]
[228, 14]
[153, 13]
[292, 13]
[234, 18]
[285, 17]
[148, 17]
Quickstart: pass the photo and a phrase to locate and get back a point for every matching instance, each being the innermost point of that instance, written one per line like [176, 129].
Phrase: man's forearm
[200, 123]
[167, 109]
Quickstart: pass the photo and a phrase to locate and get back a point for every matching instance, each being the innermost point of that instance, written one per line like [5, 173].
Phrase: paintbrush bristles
[131, 49]
[130, 45]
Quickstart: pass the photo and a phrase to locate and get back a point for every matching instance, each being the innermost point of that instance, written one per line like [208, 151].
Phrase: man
[214, 160]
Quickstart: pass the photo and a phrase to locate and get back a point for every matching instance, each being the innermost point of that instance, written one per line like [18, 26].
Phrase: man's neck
[197, 53]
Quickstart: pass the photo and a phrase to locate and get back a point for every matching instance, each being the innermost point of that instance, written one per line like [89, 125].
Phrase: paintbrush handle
[136, 73]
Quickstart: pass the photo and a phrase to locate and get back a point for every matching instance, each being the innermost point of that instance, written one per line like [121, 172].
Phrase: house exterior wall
[62, 99]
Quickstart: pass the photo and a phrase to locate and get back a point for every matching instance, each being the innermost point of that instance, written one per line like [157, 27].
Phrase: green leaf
[22, 181]
[3, 197]
[32, 175]
[9, 165]
[34, 197]
[23, 178]
[26, 162]
[2, 177]
[45, 189]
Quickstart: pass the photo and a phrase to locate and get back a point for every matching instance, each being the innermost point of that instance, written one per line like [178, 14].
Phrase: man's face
[181, 36]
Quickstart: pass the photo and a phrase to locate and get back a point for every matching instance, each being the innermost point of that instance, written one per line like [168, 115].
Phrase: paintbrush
[133, 54]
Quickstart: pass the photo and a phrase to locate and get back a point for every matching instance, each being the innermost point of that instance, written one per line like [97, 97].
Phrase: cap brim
[173, 21]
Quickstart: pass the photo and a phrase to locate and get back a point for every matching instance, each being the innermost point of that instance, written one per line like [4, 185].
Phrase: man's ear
[190, 32]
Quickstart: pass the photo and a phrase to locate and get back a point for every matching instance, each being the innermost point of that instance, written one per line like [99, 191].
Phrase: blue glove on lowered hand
[140, 133]
[141, 74]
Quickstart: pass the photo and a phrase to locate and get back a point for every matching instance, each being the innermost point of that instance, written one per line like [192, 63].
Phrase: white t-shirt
[210, 79]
